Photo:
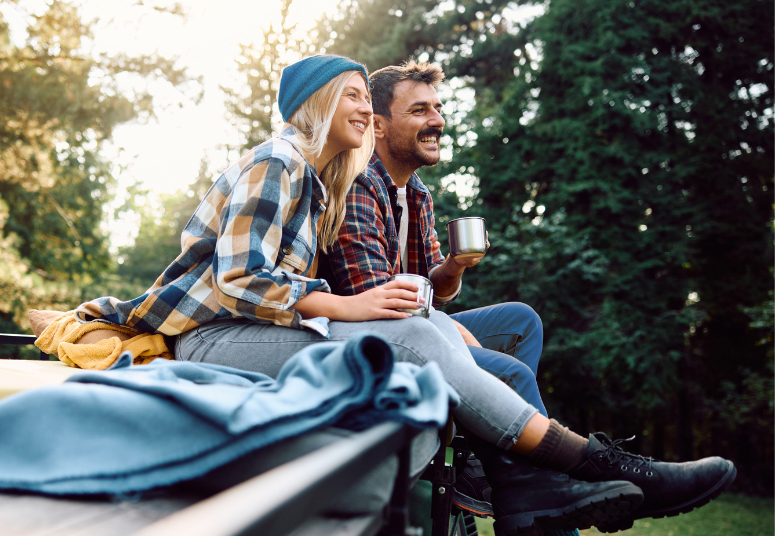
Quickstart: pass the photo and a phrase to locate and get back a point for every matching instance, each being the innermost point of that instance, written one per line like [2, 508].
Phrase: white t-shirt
[403, 233]
[403, 227]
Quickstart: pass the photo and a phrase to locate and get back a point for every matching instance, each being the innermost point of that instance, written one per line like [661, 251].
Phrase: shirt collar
[290, 134]
[379, 169]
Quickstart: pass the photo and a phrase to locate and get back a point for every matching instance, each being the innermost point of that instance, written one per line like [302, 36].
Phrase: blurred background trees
[58, 104]
[621, 152]
[252, 105]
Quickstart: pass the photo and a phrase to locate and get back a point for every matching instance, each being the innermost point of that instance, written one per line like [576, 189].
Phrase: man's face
[412, 133]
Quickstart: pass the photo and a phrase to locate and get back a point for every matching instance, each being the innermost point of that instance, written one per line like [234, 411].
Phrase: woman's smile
[359, 125]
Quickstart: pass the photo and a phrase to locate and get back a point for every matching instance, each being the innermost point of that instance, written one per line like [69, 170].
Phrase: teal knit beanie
[300, 80]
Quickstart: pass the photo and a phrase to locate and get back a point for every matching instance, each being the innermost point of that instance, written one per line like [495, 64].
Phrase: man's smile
[429, 137]
[430, 140]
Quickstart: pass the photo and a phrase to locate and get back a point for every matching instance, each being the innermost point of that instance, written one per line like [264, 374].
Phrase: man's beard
[409, 152]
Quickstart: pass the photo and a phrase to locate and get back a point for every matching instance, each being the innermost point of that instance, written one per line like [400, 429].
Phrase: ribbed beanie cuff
[560, 449]
[300, 80]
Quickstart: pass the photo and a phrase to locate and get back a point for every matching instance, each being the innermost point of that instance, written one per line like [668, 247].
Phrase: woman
[243, 293]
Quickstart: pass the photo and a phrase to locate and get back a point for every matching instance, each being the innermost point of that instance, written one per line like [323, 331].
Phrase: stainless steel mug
[467, 238]
[424, 289]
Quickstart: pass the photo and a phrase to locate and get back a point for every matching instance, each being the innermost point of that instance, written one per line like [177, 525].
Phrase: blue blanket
[134, 428]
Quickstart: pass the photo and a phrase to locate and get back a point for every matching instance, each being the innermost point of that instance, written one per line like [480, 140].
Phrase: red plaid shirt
[367, 253]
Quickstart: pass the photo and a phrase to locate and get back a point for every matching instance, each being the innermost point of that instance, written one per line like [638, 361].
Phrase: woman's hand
[381, 302]
[376, 304]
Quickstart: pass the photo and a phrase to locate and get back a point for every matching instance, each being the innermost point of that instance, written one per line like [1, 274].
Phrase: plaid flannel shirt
[367, 253]
[249, 250]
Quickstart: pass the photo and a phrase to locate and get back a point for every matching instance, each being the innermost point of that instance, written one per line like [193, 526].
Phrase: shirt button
[287, 250]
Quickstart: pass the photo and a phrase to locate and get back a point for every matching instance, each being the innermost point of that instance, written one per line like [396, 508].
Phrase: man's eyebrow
[425, 103]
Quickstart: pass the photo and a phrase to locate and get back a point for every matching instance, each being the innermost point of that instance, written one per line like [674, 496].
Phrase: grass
[729, 515]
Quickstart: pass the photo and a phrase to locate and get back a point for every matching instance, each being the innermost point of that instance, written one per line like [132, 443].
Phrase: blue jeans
[512, 338]
[488, 408]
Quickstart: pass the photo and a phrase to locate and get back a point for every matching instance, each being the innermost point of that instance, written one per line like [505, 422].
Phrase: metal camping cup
[467, 238]
[424, 289]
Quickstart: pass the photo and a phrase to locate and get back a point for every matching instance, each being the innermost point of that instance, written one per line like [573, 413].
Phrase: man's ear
[380, 126]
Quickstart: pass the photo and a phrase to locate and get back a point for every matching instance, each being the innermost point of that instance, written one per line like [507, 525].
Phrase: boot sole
[477, 508]
[608, 508]
[683, 508]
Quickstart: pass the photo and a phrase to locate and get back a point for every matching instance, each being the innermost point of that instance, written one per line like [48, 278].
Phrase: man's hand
[469, 261]
[468, 338]
[464, 262]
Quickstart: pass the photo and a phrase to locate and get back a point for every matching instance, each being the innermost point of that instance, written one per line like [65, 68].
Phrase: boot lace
[614, 454]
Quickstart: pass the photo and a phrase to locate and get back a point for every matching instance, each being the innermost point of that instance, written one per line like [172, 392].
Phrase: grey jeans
[488, 407]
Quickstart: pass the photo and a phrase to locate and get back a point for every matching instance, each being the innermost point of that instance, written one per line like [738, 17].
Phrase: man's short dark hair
[383, 82]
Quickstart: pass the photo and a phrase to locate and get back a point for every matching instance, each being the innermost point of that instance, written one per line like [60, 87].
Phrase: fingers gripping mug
[467, 238]
[424, 289]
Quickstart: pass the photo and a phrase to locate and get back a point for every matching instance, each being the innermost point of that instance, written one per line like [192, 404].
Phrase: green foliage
[622, 154]
[158, 240]
[457, 34]
[47, 128]
[648, 125]
[377, 32]
[58, 104]
[7, 325]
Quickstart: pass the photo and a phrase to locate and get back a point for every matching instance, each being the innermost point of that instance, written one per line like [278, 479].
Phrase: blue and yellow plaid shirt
[248, 251]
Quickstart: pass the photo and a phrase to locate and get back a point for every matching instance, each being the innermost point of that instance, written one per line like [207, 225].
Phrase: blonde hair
[313, 122]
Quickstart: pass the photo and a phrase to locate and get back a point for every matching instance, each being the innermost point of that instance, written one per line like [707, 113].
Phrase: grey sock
[560, 449]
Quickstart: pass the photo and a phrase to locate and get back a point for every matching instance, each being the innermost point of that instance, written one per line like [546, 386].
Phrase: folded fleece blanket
[134, 428]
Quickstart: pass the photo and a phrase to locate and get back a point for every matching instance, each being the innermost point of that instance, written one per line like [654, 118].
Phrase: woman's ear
[380, 130]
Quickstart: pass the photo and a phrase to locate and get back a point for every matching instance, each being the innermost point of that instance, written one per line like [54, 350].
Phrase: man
[389, 229]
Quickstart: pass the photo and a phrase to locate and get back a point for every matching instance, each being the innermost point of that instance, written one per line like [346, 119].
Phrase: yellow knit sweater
[62, 335]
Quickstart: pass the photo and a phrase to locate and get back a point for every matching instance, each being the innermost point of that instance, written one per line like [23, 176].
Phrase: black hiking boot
[669, 489]
[527, 500]
[472, 491]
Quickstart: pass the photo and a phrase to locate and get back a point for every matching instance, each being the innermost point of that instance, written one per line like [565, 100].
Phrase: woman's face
[352, 116]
